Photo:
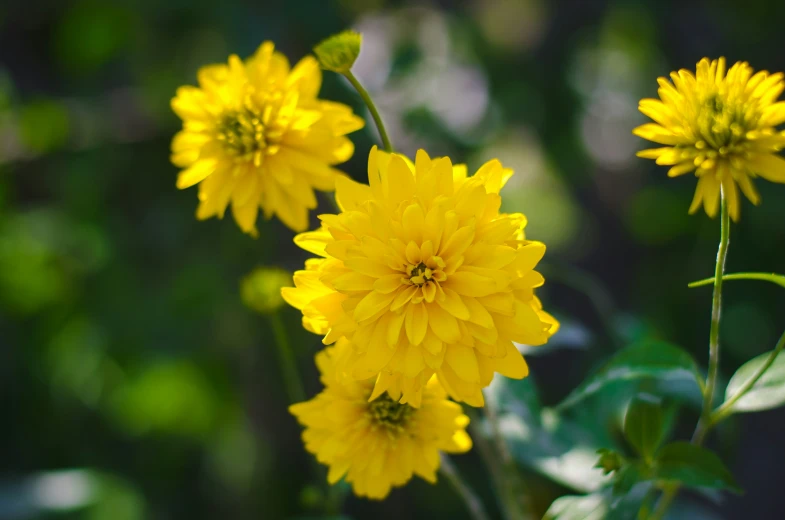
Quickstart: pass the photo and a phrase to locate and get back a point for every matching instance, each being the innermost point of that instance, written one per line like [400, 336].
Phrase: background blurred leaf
[644, 424]
[768, 392]
[173, 397]
[43, 125]
[645, 360]
[693, 466]
[540, 439]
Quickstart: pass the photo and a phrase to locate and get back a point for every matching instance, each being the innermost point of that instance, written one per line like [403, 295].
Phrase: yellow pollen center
[420, 274]
[391, 415]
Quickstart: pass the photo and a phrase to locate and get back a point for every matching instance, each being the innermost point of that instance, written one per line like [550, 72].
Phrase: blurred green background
[133, 382]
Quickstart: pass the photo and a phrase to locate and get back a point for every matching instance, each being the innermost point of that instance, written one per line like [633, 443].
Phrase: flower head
[424, 275]
[720, 126]
[255, 135]
[379, 444]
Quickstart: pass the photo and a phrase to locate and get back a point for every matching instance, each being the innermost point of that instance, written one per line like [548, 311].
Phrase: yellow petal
[416, 322]
[463, 361]
[470, 284]
[453, 304]
[443, 324]
[373, 303]
[196, 173]
[770, 167]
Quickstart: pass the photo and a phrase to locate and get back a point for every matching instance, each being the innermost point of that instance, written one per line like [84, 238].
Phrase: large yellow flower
[380, 444]
[424, 275]
[722, 127]
[256, 135]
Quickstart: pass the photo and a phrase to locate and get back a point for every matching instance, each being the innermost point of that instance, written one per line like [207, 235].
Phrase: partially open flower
[719, 126]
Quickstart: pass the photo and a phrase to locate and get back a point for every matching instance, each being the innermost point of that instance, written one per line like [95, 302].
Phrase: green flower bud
[339, 52]
[261, 289]
[609, 461]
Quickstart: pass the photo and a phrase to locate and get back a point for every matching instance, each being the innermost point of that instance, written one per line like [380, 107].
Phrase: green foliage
[767, 392]
[644, 424]
[44, 125]
[548, 443]
[597, 506]
[694, 466]
[171, 397]
[646, 360]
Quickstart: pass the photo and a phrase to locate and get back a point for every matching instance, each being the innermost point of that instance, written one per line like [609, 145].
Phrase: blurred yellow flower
[722, 127]
[379, 444]
[255, 135]
[424, 275]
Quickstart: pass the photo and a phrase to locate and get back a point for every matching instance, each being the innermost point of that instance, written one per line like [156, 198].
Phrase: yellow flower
[722, 127]
[256, 135]
[424, 275]
[380, 444]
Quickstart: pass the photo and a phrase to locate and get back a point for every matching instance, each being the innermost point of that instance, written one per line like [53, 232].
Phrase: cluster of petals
[721, 125]
[256, 136]
[424, 275]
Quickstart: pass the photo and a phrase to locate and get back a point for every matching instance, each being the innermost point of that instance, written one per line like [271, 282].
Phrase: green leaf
[646, 360]
[559, 448]
[767, 392]
[589, 507]
[644, 424]
[766, 277]
[693, 466]
[598, 506]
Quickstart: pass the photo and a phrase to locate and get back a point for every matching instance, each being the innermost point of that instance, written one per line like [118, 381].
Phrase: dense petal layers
[424, 276]
[381, 444]
[720, 126]
[255, 135]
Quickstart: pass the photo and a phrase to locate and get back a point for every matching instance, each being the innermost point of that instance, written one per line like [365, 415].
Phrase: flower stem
[725, 409]
[513, 495]
[470, 498]
[292, 381]
[705, 422]
[374, 112]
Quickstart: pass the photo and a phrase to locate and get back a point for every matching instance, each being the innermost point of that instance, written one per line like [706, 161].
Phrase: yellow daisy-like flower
[380, 444]
[256, 135]
[424, 275]
[722, 127]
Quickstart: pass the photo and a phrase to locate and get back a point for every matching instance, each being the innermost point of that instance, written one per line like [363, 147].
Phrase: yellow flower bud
[261, 289]
[339, 52]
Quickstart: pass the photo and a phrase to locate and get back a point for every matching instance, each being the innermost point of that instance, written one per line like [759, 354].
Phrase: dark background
[134, 384]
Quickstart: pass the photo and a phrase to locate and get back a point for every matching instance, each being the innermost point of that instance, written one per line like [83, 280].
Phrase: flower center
[242, 135]
[722, 125]
[391, 415]
[420, 274]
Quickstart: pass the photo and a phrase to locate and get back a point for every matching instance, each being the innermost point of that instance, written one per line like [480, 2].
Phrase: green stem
[766, 277]
[705, 421]
[487, 453]
[374, 112]
[291, 377]
[470, 498]
[513, 492]
[725, 409]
